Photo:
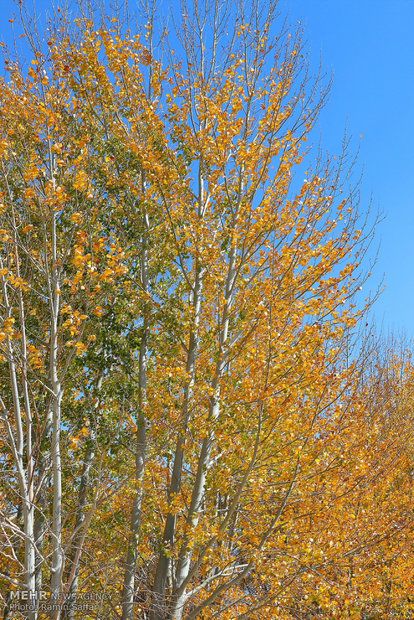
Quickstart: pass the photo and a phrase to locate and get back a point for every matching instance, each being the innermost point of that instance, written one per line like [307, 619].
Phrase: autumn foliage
[192, 424]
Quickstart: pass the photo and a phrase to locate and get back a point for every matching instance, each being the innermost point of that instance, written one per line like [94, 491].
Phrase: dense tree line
[192, 423]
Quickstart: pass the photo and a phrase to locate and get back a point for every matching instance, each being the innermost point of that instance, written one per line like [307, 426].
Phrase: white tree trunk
[136, 517]
[57, 394]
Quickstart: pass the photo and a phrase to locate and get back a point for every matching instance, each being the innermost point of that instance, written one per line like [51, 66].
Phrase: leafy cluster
[187, 426]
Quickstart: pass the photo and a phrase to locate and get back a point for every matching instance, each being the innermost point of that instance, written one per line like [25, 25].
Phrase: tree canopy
[193, 425]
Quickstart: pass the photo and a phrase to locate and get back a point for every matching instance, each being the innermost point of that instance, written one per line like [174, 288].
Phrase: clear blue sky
[368, 46]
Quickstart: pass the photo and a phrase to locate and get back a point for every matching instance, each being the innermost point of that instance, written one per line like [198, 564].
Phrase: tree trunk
[136, 517]
[159, 604]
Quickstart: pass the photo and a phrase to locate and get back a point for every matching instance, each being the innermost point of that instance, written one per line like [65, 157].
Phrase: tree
[177, 311]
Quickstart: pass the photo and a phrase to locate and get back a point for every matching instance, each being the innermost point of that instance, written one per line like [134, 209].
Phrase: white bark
[24, 469]
[57, 394]
[136, 516]
[163, 567]
[159, 604]
[85, 483]
[184, 560]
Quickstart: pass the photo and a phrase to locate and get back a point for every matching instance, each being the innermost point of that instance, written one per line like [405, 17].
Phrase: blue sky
[368, 47]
